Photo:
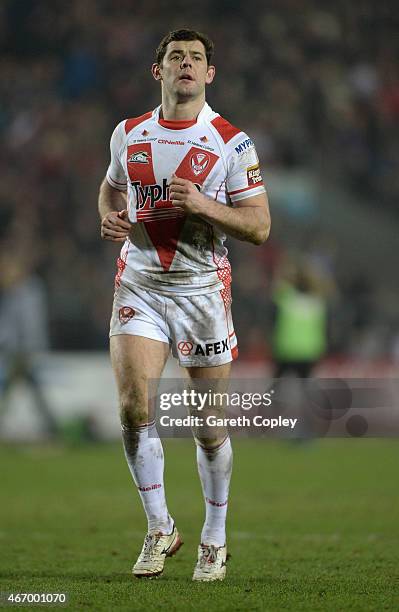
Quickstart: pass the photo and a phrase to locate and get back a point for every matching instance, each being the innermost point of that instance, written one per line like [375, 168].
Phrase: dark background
[315, 84]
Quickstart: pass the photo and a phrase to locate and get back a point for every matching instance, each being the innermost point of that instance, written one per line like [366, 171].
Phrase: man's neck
[181, 111]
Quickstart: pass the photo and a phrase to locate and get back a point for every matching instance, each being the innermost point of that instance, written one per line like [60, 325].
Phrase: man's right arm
[115, 225]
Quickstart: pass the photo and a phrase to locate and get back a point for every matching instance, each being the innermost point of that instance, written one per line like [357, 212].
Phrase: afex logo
[185, 347]
[212, 348]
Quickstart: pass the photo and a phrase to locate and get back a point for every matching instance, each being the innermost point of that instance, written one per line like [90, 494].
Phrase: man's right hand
[115, 226]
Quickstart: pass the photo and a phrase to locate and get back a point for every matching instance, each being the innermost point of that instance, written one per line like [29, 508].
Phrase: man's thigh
[219, 373]
[136, 360]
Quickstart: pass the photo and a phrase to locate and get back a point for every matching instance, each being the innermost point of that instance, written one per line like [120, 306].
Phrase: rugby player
[180, 178]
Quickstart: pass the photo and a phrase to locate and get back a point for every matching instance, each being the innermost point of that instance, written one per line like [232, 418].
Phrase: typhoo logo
[147, 196]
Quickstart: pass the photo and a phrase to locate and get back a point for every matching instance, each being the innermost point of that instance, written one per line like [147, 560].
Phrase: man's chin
[187, 95]
[189, 89]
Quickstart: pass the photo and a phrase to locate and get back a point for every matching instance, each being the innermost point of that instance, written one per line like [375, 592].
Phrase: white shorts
[199, 328]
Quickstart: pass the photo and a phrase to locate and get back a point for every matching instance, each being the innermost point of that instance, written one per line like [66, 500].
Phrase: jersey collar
[181, 125]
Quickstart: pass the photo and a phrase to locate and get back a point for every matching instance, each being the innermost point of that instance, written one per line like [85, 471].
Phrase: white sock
[144, 454]
[214, 468]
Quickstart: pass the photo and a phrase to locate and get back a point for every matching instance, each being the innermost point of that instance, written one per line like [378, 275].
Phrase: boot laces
[209, 555]
[150, 542]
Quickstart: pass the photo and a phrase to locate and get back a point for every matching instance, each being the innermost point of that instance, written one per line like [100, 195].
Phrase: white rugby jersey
[167, 250]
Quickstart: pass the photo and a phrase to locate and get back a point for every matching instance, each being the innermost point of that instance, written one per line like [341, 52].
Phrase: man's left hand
[184, 194]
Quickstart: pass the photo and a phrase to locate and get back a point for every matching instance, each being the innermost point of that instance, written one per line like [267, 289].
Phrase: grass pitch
[311, 527]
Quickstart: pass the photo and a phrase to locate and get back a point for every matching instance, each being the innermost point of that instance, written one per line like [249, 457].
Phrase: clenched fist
[115, 226]
[184, 194]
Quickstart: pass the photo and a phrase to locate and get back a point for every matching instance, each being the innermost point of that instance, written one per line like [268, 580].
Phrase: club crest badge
[140, 157]
[199, 162]
[125, 314]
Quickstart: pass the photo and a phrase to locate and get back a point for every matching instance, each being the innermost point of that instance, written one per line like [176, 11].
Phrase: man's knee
[209, 442]
[133, 408]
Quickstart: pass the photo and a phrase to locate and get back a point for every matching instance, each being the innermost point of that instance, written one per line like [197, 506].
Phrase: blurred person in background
[181, 177]
[23, 326]
[300, 337]
[300, 315]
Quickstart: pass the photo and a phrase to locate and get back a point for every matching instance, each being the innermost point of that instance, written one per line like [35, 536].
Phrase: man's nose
[186, 62]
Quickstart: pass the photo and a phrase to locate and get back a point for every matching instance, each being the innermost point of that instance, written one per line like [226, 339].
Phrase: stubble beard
[188, 94]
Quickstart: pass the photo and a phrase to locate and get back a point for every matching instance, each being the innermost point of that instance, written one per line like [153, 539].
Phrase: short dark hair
[184, 35]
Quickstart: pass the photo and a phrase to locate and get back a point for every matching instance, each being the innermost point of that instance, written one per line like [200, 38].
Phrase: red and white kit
[170, 257]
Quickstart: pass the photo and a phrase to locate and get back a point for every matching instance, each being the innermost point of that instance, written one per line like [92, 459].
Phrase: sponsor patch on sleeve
[247, 158]
[254, 176]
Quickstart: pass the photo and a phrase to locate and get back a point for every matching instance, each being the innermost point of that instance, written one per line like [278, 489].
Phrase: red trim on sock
[213, 449]
[139, 428]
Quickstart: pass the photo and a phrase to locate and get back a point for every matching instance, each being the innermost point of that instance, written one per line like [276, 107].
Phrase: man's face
[184, 70]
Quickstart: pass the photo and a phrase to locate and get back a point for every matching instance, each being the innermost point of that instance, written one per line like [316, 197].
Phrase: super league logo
[140, 157]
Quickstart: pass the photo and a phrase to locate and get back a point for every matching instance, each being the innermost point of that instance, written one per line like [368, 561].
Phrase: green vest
[300, 332]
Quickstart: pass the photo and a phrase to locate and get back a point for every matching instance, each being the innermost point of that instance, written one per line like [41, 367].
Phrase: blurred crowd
[316, 84]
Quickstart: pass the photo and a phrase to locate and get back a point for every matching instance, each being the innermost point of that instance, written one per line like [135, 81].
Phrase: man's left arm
[249, 219]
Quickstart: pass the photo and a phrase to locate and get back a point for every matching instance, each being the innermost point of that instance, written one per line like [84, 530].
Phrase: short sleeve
[244, 179]
[116, 175]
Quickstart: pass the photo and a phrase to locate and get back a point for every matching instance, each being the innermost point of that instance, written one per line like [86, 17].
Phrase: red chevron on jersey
[164, 233]
[171, 252]
[164, 236]
[195, 167]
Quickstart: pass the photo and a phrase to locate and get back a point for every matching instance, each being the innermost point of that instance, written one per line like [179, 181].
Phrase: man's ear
[156, 72]
[210, 74]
